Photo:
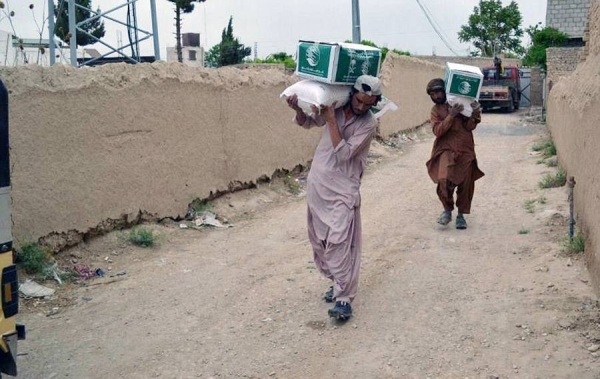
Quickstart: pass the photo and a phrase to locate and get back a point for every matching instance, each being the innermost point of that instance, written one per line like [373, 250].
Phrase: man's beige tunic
[333, 198]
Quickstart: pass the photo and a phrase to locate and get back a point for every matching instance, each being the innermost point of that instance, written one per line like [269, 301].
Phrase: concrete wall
[568, 16]
[573, 119]
[185, 52]
[92, 148]
[537, 87]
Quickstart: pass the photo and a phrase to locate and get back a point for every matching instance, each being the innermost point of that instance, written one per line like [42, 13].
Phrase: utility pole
[51, 32]
[355, 22]
[154, 30]
[73, 32]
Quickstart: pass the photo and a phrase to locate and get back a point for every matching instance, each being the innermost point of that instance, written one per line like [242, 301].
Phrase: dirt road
[434, 302]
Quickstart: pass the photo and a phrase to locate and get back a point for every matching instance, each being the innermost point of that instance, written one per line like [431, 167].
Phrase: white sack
[383, 106]
[465, 101]
[311, 92]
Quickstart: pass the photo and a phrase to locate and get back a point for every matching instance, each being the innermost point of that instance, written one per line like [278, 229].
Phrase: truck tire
[511, 104]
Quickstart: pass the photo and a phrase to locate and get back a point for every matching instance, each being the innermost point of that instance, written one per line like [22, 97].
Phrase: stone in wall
[562, 61]
[593, 39]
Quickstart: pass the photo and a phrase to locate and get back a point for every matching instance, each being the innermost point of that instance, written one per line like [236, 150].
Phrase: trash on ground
[209, 219]
[84, 272]
[32, 289]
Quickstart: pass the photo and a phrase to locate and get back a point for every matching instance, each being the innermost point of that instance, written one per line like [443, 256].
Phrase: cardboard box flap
[465, 68]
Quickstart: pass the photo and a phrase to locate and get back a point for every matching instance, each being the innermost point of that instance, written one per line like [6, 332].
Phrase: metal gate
[525, 74]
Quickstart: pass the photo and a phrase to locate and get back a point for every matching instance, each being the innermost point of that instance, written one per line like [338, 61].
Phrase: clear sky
[277, 25]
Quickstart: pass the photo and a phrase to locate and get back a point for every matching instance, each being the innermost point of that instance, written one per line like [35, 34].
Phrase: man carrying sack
[333, 196]
[453, 164]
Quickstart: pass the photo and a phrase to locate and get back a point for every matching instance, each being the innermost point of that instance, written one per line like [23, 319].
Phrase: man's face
[438, 96]
[361, 103]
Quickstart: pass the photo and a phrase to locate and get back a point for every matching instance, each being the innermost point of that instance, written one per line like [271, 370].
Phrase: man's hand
[293, 102]
[476, 109]
[328, 113]
[456, 109]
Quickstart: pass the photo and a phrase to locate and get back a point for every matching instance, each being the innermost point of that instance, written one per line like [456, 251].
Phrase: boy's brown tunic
[453, 162]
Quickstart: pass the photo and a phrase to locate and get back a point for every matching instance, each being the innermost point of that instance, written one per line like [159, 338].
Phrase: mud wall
[573, 119]
[404, 80]
[109, 142]
[471, 61]
[93, 144]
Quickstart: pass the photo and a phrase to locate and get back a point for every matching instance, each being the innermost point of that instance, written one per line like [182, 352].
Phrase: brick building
[570, 17]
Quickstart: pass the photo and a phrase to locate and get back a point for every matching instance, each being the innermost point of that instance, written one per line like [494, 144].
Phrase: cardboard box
[336, 63]
[463, 80]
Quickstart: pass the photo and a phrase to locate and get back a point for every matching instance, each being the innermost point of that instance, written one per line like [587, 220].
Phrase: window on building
[192, 55]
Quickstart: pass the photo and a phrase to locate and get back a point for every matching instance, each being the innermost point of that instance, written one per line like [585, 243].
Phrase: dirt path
[433, 303]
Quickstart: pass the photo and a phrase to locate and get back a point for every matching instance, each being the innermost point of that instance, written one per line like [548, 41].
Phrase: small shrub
[34, 259]
[551, 162]
[143, 237]
[554, 181]
[292, 184]
[537, 147]
[541, 200]
[524, 230]
[201, 205]
[529, 206]
[547, 148]
[575, 246]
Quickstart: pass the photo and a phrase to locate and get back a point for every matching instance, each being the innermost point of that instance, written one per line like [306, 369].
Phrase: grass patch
[554, 181]
[141, 236]
[547, 148]
[529, 206]
[35, 260]
[577, 245]
[523, 230]
[551, 162]
[291, 184]
[201, 205]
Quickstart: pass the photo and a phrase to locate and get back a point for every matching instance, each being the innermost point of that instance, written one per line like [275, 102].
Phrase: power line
[435, 28]
[440, 29]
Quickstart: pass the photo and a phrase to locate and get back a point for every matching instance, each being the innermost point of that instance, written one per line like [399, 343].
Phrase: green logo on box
[354, 63]
[464, 88]
[313, 59]
[464, 85]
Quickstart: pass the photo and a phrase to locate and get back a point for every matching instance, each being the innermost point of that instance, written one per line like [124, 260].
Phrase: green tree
[494, 29]
[94, 27]
[278, 58]
[213, 56]
[229, 51]
[541, 39]
[384, 50]
[182, 6]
